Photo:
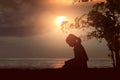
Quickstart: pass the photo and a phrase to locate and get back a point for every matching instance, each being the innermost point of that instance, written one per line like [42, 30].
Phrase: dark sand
[60, 74]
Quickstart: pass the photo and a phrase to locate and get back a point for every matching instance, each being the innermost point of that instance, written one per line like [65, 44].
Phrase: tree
[104, 17]
[104, 20]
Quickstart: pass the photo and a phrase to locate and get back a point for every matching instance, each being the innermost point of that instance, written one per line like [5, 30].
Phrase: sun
[60, 19]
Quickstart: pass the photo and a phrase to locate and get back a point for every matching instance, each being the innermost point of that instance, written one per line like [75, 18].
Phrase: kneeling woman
[80, 57]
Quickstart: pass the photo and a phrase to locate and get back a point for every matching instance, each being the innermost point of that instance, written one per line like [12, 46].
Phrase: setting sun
[60, 19]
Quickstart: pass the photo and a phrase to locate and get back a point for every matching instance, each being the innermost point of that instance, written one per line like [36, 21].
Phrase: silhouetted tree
[104, 22]
[104, 17]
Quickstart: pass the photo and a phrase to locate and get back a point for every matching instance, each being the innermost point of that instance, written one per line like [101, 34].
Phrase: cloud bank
[17, 17]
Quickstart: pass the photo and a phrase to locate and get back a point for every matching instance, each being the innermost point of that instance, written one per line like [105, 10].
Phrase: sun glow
[60, 19]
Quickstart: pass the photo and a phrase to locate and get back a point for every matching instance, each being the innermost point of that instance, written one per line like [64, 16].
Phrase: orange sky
[42, 20]
[66, 1]
[99, 0]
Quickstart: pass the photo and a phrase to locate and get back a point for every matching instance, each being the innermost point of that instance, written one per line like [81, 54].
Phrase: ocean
[42, 63]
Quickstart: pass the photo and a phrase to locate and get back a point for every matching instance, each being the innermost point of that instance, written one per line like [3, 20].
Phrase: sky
[28, 29]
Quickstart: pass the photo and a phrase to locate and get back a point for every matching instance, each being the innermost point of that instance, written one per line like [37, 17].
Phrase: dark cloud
[15, 17]
[20, 17]
[20, 31]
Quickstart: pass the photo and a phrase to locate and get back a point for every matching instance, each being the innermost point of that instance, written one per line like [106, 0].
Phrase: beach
[60, 74]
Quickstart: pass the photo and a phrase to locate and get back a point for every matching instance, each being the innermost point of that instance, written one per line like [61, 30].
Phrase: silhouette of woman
[80, 56]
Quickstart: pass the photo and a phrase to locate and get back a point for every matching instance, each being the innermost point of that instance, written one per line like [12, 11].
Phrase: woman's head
[72, 40]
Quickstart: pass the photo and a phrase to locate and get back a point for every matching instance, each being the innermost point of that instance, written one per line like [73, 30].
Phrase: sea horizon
[42, 63]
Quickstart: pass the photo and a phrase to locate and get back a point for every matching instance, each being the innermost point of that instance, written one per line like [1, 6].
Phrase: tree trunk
[113, 59]
[117, 56]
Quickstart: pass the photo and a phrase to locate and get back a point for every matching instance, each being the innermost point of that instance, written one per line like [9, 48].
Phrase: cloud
[20, 31]
[31, 17]
[17, 17]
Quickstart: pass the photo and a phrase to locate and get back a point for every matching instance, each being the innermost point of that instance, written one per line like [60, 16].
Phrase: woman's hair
[72, 38]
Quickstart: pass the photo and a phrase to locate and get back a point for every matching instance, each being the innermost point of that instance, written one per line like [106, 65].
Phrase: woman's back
[80, 52]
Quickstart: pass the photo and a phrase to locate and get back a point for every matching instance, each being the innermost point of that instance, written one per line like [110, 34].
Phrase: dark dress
[80, 55]
[80, 58]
